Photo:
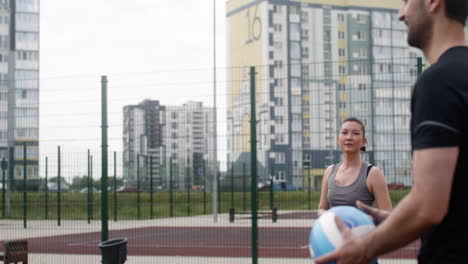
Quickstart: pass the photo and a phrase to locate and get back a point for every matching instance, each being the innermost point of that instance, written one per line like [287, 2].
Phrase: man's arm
[425, 206]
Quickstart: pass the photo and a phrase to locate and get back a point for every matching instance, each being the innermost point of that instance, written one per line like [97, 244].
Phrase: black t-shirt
[439, 107]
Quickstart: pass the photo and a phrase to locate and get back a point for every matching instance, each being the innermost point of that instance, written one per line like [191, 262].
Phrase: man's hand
[378, 216]
[351, 252]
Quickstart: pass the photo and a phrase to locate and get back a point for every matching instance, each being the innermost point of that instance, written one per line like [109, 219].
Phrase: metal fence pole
[220, 192]
[90, 184]
[4, 167]
[171, 212]
[232, 185]
[151, 186]
[115, 186]
[272, 194]
[419, 65]
[309, 197]
[59, 213]
[46, 188]
[188, 187]
[244, 196]
[104, 162]
[138, 187]
[204, 187]
[253, 160]
[25, 195]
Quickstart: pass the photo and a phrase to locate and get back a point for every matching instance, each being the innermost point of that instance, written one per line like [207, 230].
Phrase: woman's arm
[323, 204]
[378, 187]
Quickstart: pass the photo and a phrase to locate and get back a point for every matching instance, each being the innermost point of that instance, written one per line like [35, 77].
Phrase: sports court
[182, 237]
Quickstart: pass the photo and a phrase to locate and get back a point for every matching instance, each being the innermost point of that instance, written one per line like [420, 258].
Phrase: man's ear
[434, 5]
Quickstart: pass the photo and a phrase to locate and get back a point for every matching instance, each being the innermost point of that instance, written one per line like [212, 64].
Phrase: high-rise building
[161, 135]
[19, 87]
[189, 138]
[142, 141]
[318, 62]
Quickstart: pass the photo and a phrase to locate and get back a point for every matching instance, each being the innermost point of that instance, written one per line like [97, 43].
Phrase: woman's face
[351, 137]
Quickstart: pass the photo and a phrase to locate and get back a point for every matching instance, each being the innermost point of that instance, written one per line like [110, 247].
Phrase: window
[362, 19]
[341, 17]
[341, 35]
[327, 35]
[342, 69]
[341, 52]
[280, 158]
[360, 35]
[305, 34]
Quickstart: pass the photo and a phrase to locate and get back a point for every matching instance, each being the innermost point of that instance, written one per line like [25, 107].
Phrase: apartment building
[318, 62]
[19, 89]
[156, 136]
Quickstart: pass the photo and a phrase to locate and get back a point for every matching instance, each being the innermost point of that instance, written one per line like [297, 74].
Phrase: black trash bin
[114, 251]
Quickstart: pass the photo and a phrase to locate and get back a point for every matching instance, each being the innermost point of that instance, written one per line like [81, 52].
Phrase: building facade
[319, 62]
[189, 139]
[142, 142]
[19, 87]
[164, 135]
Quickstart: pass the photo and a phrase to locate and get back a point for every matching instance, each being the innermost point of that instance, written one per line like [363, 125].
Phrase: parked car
[94, 190]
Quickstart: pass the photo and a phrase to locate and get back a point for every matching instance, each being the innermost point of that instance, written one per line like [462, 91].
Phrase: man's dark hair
[354, 119]
[457, 10]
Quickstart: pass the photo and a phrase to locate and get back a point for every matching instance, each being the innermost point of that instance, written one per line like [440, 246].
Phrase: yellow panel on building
[343, 114]
[306, 133]
[342, 97]
[341, 43]
[342, 79]
[245, 45]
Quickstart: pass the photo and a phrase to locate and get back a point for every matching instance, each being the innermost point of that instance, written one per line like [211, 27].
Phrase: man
[437, 206]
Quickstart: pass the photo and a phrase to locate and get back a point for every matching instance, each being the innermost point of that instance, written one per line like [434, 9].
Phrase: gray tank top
[348, 195]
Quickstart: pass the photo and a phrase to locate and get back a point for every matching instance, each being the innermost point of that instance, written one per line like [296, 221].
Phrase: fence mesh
[163, 167]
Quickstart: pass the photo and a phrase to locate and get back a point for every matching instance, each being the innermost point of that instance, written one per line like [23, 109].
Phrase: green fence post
[420, 65]
[188, 186]
[25, 195]
[204, 187]
[115, 186]
[138, 187]
[232, 185]
[59, 213]
[253, 160]
[171, 213]
[272, 194]
[244, 187]
[46, 188]
[220, 192]
[309, 197]
[90, 184]
[11, 176]
[4, 167]
[151, 186]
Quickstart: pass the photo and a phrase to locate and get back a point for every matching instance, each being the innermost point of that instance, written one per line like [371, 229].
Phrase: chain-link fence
[168, 189]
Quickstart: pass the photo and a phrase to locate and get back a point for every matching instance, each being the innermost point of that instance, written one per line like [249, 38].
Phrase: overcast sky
[156, 49]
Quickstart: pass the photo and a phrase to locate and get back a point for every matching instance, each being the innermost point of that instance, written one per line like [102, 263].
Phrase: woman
[353, 179]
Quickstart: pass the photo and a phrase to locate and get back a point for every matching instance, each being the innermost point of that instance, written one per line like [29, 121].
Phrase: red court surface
[273, 242]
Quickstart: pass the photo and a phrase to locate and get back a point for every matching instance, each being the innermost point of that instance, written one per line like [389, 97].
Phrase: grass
[74, 206]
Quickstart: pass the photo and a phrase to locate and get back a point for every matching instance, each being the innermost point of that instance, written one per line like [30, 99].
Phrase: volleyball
[325, 236]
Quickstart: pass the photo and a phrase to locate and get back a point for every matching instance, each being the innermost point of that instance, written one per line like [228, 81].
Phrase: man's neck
[446, 35]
